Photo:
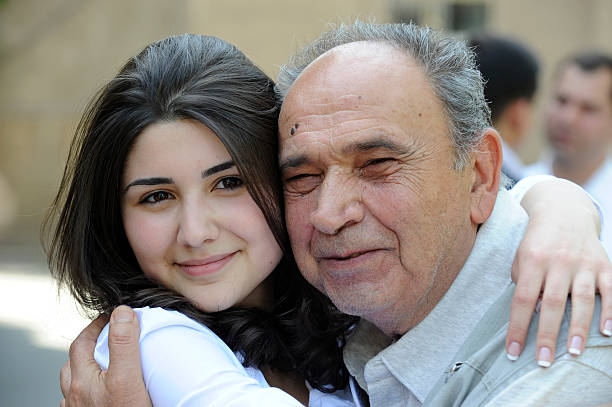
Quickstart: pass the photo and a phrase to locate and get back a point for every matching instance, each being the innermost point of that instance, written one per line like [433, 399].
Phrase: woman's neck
[261, 297]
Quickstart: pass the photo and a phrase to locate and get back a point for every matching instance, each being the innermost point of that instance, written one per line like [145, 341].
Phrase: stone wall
[55, 54]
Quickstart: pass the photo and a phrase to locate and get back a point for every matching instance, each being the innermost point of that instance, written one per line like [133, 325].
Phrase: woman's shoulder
[154, 319]
[162, 329]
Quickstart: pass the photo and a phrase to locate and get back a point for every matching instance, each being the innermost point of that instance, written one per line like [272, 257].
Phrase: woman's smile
[207, 266]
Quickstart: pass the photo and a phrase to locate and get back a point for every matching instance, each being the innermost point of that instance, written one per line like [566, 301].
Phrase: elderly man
[386, 146]
[579, 129]
[394, 210]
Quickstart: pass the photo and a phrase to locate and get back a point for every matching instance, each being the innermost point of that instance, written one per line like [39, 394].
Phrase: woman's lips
[206, 266]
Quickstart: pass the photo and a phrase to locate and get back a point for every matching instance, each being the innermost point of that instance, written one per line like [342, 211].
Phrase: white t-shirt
[185, 364]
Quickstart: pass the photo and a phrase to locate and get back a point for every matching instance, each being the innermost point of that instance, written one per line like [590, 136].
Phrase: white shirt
[599, 186]
[185, 364]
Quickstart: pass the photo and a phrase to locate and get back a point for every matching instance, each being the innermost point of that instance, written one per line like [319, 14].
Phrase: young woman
[171, 198]
[171, 203]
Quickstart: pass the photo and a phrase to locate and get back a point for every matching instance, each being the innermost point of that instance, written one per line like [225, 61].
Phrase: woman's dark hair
[209, 80]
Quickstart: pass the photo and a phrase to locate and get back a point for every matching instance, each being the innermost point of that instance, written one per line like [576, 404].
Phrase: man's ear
[487, 172]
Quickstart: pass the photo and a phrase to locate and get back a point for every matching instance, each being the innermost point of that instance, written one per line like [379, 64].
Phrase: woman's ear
[487, 173]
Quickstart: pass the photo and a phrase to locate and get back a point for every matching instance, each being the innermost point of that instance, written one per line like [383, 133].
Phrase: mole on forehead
[294, 128]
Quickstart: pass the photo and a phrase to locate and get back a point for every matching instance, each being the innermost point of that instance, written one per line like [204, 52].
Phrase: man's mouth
[343, 257]
[351, 256]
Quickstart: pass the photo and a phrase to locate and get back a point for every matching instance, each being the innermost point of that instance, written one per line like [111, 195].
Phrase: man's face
[376, 215]
[579, 118]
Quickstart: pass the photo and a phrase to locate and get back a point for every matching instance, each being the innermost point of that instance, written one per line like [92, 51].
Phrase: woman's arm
[560, 254]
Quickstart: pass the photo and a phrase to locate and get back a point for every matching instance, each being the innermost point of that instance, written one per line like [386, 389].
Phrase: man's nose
[567, 113]
[338, 204]
[197, 224]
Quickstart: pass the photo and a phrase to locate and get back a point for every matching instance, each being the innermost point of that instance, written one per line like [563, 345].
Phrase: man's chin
[352, 300]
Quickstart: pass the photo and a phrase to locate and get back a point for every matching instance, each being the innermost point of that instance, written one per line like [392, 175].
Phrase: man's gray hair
[447, 63]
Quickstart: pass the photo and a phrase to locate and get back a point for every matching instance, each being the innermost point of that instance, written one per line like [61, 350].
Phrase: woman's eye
[229, 183]
[156, 197]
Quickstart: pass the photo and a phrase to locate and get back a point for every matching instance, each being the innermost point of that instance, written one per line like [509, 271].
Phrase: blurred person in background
[579, 129]
[510, 73]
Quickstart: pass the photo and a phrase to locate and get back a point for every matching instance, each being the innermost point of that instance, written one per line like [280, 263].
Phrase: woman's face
[190, 220]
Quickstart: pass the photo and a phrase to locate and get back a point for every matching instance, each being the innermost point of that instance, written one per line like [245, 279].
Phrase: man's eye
[156, 197]
[378, 161]
[377, 166]
[229, 183]
[302, 183]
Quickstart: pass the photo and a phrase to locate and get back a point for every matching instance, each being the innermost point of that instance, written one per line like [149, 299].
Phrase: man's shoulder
[564, 383]
[482, 373]
[567, 375]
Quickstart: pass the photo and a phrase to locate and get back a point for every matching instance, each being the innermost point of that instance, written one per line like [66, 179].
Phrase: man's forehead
[349, 76]
[368, 51]
[598, 80]
[346, 59]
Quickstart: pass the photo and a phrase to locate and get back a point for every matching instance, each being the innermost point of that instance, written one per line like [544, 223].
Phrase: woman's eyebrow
[149, 181]
[164, 181]
[217, 168]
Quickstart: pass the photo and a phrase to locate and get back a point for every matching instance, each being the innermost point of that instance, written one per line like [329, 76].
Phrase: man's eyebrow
[217, 168]
[294, 162]
[149, 181]
[378, 143]
[373, 145]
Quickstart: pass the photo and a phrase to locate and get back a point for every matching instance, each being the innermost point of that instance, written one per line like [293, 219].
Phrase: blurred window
[405, 13]
[466, 16]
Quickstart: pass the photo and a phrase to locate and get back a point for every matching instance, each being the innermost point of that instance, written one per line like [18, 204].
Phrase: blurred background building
[55, 54]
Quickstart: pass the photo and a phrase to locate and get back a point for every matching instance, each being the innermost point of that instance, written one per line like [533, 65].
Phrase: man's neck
[577, 170]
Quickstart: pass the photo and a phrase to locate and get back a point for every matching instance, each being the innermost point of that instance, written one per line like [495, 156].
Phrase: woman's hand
[82, 381]
[560, 254]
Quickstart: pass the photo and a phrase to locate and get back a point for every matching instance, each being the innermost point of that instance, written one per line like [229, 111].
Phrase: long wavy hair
[206, 79]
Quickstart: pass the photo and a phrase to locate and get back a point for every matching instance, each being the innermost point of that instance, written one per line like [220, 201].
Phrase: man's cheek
[299, 235]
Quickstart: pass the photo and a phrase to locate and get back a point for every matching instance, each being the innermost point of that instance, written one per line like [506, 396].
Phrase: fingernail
[575, 345]
[123, 315]
[607, 328]
[514, 350]
[544, 357]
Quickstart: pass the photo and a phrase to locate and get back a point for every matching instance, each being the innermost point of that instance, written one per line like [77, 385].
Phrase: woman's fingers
[583, 304]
